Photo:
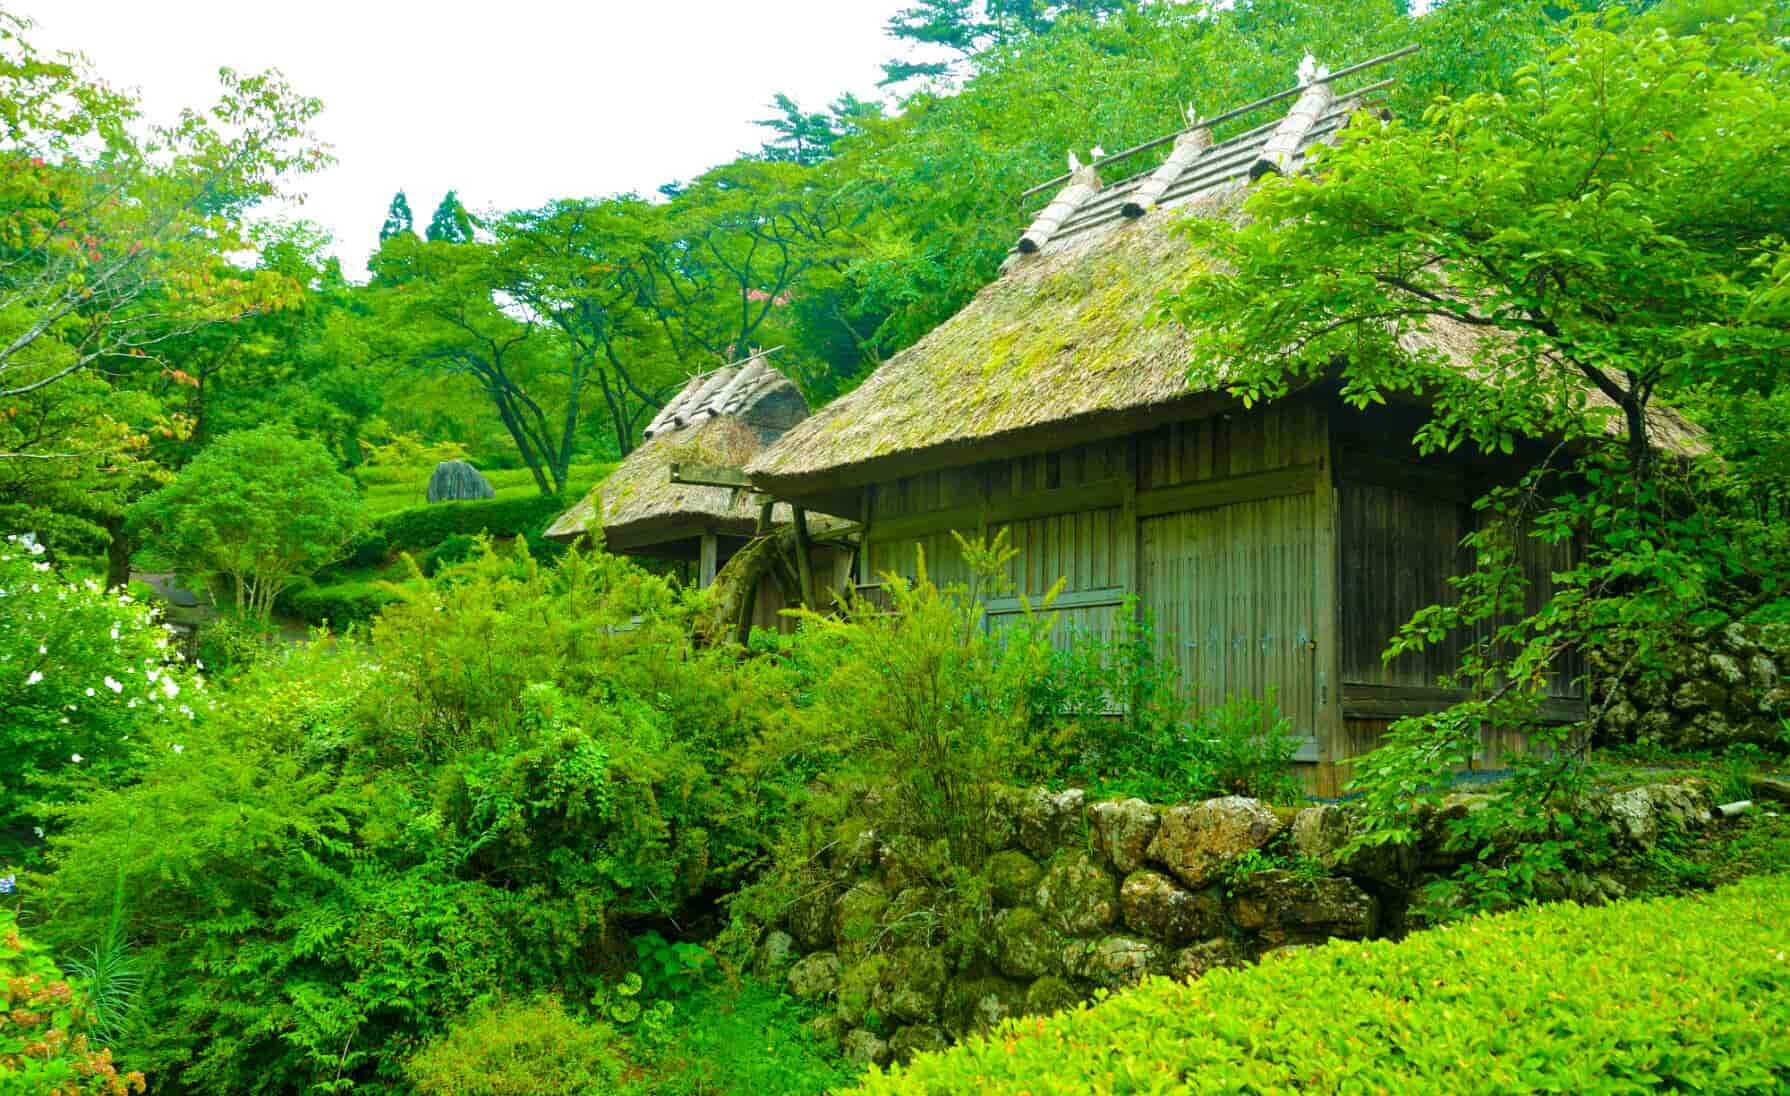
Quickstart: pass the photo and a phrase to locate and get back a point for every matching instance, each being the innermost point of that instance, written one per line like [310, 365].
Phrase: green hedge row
[339, 603]
[420, 528]
[1683, 994]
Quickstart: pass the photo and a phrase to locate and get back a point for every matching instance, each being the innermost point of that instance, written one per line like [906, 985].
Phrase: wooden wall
[1216, 526]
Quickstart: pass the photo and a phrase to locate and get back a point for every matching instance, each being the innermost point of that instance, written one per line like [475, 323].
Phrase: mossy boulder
[773, 955]
[1287, 908]
[813, 976]
[915, 1039]
[810, 918]
[857, 917]
[912, 917]
[911, 985]
[858, 986]
[1078, 896]
[1123, 830]
[1025, 947]
[978, 1004]
[1197, 843]
[1157, 907]
[1013, 878]
[1051, 994]
[865, 1046]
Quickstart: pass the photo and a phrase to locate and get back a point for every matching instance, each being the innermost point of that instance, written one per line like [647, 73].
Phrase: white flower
[178, 748]
[90, 690]
[42, 650]
[113, 684]
[36, 676]
[170, 689]
[76, 758]
[39, 831]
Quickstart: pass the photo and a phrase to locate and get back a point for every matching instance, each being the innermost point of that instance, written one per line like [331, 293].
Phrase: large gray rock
[1077, 895]
[1157, 907]
[455, 480]
[1192, 962]
[1323, 833]
[978, 1004]
[814, 976]
[1123, 830]
[810, 919]
[1198, 843]
[1640, 815]
[1047, 819]
[1115, 961]
[1286, 908]
[773, 955]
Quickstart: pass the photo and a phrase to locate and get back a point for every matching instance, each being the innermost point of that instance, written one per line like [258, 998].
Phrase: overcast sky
[511, 103]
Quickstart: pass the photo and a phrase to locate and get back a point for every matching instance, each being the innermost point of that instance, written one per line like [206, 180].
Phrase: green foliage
[358, 844]
[90, 685]
[256, 510]
[337, 603]
[509, 1048]
[1131, 731]
[44, 1044]
[1561, 998]
[421, 528]
[457, 548]
[398, 218]
[450, 223]
[749, 1040]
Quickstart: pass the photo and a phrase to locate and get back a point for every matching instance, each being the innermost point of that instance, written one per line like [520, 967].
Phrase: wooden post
[705, 572]
[804, 559]
[1328, 611]
[864, 571]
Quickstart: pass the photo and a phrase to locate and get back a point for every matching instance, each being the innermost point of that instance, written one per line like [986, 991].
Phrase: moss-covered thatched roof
[639, 505]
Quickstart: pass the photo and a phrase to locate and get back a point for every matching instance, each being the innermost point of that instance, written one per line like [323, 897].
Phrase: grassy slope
[397, 490]
[1677, 993]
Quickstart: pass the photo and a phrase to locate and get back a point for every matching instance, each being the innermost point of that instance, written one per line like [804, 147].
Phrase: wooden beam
[1296, 479]
[1099, 495]
[804, 560]
[1364, 700]
[708, 475]
[1327, 600]
[706, 566]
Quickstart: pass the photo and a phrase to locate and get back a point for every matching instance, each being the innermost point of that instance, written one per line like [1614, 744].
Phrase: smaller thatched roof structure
[721, 419]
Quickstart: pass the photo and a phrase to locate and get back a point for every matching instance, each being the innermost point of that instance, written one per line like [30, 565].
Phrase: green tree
[256, 511]
[1609, 234]
[807, 137]
[397, 218]
[450, 224]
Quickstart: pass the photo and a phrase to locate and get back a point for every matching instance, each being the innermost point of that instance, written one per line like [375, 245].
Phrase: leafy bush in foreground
[43, 1047]
[423, 527]
[1675, 994]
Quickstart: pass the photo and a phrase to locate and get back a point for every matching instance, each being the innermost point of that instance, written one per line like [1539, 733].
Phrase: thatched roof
[1063, 346]
[721, 419]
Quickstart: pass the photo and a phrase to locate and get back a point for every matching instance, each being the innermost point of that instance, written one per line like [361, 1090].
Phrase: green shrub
[455, 549]
[513, 1049]
[420, 528]
[44, 1045]
[339, 604]
[370, 550]
[1672, 994]
[90, 686]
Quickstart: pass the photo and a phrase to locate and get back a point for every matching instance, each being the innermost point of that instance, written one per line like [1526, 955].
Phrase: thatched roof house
[720, 419]
[1276, 548]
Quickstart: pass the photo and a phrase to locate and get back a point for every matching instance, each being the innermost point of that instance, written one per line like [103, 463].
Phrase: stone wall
[1082, 896]
[1718, 688]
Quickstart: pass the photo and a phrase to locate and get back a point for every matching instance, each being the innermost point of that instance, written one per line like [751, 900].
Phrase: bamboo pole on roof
[1189, 147]
[1083, 185]
[1281, 153]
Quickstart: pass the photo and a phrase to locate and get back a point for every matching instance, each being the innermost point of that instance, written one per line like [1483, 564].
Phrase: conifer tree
[451, 223]
[397, 218]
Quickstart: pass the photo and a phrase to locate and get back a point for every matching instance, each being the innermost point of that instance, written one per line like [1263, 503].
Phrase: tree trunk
[118, 553]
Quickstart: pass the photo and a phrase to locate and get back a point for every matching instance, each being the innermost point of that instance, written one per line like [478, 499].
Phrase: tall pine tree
[451, 223]
[397, 218]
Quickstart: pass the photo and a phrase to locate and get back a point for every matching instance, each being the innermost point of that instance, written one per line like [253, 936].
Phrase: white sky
[511, 103]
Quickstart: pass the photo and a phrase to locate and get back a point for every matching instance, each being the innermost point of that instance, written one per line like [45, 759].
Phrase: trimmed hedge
[340, 604]
[420, 528]
[1682, 993]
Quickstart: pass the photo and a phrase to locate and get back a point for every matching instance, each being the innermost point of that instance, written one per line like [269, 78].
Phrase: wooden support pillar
[1328, 622]
[805, 559]
[706, 567]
